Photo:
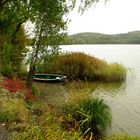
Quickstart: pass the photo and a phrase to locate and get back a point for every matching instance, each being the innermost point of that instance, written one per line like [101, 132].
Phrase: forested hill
[97, 38]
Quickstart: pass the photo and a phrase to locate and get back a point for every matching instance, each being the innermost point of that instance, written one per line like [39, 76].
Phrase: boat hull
[49, 78]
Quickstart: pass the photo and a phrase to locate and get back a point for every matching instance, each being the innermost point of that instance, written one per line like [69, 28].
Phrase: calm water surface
[125, 101]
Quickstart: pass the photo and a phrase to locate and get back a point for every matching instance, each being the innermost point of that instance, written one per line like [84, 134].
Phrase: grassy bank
[28, 117]
[23, 116]
[84, 67]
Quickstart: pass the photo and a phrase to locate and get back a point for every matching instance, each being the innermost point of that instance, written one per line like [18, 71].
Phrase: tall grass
[114, 72]
[85, 67]
[91, 115]
[13, 110]
[46, 126]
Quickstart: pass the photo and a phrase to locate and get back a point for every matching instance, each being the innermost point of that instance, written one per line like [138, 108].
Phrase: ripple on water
[124, 107]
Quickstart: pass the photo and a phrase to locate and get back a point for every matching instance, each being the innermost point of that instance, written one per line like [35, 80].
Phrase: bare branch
[85, 4]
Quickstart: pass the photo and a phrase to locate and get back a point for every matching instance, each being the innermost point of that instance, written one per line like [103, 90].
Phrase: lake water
[125, 105]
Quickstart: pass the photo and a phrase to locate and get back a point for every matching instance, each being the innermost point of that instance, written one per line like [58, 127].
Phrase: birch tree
[50, 26]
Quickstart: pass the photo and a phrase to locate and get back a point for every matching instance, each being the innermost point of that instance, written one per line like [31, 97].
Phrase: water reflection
[111, 89]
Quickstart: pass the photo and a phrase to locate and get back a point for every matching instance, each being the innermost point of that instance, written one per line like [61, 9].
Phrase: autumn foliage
[14, 85]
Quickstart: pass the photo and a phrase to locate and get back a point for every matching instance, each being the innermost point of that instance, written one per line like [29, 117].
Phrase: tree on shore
[49, 18]
[50, 26]
[13, 13]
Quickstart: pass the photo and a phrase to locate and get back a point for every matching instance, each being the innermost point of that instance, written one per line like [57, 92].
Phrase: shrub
[22, 74]
[12, 85]
[7, 67]
[7, 70]
[91, 115]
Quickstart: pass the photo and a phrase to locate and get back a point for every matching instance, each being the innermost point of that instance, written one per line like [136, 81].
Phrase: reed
[114, 72]
[81, 66]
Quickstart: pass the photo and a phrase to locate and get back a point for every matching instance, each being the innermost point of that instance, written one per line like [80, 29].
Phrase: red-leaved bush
[13, 85]
[29, 96]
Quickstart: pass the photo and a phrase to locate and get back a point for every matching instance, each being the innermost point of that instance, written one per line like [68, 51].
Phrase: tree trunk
[1, 46]
[0, 60]
[34, 57]
[29, 81]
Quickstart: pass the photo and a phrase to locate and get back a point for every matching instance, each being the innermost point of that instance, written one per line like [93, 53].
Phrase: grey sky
[117, 16]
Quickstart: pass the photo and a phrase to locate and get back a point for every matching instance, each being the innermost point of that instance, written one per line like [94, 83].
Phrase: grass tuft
[91, 115]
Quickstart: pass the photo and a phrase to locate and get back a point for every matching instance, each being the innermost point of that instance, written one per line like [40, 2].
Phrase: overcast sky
[116, 16]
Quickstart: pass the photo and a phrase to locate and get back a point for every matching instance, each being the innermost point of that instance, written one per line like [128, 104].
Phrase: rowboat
[49, 77]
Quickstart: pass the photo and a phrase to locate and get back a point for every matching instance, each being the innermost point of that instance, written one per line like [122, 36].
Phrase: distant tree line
[97, 38]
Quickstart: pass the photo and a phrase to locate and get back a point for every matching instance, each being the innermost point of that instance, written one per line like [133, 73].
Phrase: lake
[125, 101]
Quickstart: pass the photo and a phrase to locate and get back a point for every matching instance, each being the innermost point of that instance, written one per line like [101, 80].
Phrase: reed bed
[77, 65]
